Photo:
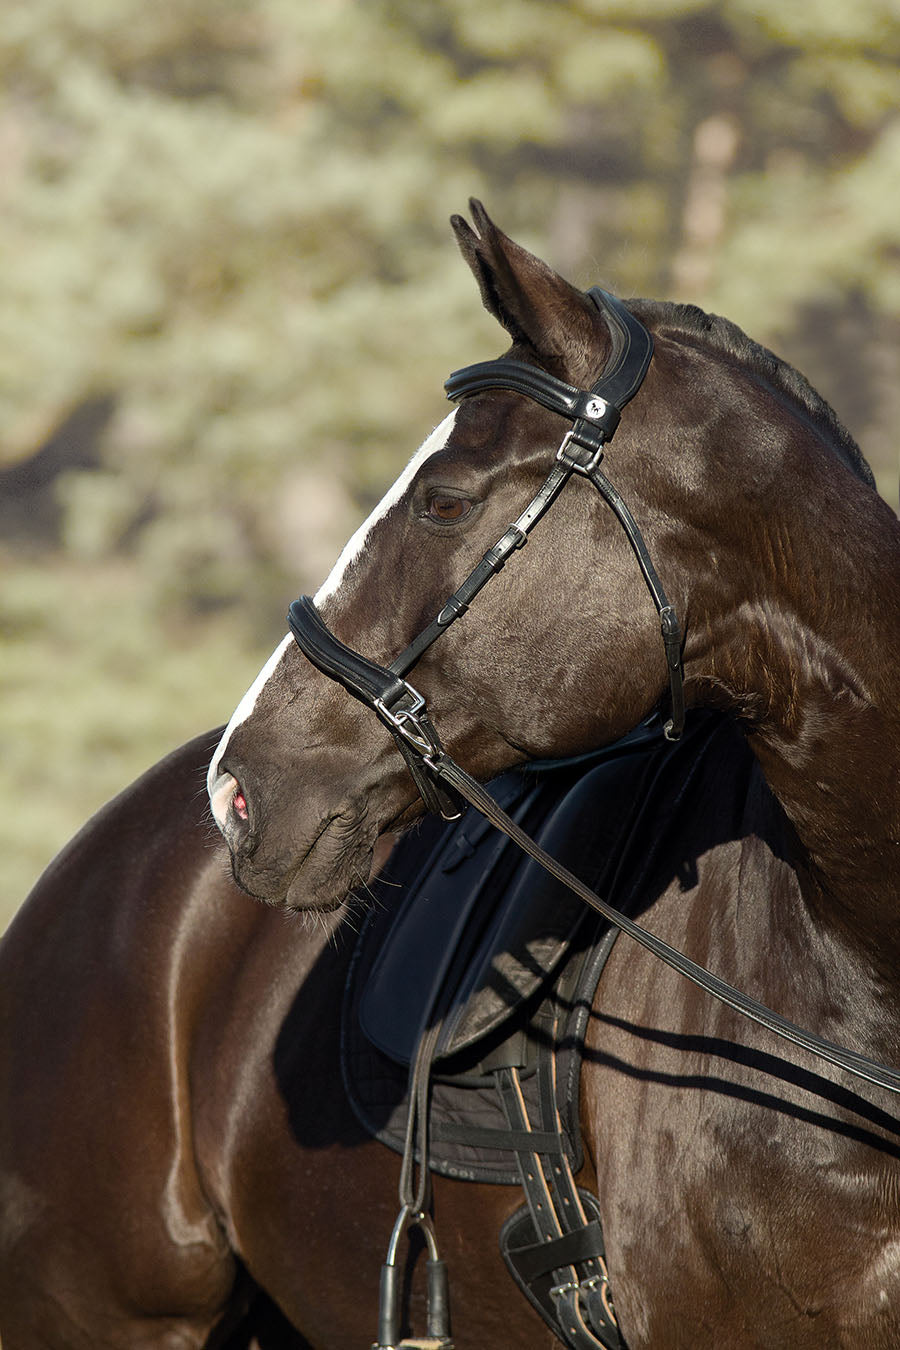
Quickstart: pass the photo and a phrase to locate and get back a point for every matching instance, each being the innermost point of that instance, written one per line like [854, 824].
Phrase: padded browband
[632, 349]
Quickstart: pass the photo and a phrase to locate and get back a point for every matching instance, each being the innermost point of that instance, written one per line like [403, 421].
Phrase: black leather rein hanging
[442, 783]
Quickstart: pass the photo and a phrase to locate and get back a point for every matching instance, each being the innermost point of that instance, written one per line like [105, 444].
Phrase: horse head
[561, 653]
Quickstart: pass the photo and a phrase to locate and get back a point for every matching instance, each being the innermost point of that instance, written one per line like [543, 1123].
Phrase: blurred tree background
[229, 295]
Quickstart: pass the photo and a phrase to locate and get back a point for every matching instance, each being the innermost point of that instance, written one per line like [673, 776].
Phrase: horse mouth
[336, 863]
[326, 825]
[329, 864]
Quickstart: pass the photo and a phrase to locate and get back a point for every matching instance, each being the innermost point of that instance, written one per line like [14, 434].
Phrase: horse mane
[693, 325]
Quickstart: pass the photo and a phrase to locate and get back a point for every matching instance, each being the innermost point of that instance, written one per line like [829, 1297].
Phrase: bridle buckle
[577, 465]
[407, 723]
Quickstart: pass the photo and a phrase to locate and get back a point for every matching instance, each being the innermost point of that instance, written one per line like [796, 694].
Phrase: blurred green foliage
[231, 217]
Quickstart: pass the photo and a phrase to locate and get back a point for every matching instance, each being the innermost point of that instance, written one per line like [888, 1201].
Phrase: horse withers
[180, 1161]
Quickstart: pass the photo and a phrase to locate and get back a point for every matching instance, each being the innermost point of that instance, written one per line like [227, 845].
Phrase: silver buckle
[405, 722]
[573, 464]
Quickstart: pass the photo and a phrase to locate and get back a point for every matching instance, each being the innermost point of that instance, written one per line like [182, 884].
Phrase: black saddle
[465, 930]
[472, 948]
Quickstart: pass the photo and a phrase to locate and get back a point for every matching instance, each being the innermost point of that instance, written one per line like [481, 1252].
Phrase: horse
[180, 1164]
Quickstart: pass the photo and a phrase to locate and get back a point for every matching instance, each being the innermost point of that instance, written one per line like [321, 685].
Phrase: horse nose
[228, 803]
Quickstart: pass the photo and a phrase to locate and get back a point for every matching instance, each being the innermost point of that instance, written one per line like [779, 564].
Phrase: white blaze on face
[221, 786]
[240, 714]
[356, 544]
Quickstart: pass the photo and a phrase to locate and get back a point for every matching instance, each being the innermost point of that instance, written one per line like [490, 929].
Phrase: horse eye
[448, 509]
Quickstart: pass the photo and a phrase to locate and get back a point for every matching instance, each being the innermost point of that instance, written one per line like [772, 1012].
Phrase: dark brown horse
[178, 1153]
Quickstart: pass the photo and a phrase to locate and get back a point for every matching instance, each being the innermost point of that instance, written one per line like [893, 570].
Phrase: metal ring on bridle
[405, 722]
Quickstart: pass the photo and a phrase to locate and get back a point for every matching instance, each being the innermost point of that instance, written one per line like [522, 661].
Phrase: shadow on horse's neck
[811, 664]
[857, 1119]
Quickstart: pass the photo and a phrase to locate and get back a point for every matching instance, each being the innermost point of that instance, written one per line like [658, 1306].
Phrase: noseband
[595, 414]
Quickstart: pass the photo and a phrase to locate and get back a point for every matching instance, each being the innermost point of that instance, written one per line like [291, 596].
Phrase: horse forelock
[694, 326]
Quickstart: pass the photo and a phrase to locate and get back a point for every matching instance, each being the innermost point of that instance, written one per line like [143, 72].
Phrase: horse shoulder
[103, 976]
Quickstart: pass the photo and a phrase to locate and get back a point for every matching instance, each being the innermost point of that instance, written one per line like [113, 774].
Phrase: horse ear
[532, 302]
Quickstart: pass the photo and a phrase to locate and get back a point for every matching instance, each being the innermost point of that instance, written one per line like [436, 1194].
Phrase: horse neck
[812, 665]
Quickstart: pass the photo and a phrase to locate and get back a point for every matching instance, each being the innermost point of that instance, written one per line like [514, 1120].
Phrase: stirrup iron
[437, 1324]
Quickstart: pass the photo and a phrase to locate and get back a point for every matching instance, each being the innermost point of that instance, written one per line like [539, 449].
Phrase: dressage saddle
[475, 953]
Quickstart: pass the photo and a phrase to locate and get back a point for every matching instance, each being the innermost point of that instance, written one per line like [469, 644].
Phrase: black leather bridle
[595, 414]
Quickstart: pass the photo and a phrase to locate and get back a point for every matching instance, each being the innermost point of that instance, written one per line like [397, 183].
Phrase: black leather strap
[631, 353]
[438, 800]
[583, 1244]
[510, 1140]
[670, 628]
[568, 1248]
[632, 350]
[379, 688]
[364, 679]
[536, 384]
[494, 561]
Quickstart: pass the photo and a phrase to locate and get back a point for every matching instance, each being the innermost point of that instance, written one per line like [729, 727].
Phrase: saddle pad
[463, 1094]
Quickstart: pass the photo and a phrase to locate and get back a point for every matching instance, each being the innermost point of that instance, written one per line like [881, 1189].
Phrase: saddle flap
[480, 928]
[441, 911]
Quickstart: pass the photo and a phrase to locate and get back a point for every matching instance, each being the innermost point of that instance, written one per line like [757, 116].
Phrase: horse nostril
[228, 802]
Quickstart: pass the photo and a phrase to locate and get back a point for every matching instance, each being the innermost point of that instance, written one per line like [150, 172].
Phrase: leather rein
[595, 414]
